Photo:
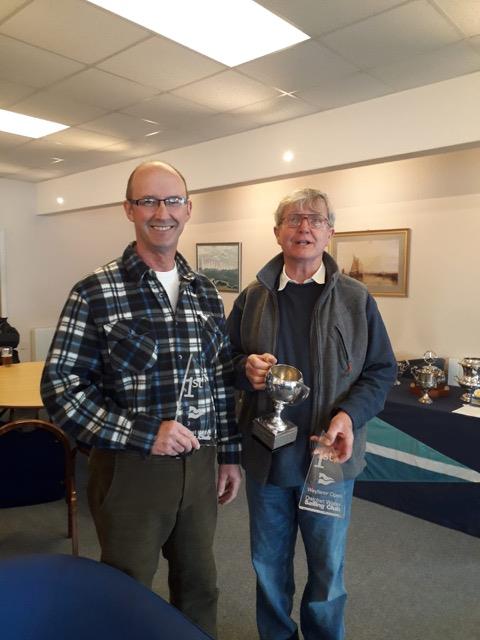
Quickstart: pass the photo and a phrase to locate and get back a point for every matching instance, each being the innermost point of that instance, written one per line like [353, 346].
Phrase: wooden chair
[37, 464]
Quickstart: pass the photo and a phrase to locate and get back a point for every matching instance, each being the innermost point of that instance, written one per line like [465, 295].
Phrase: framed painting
[379, 259]
[221, 262]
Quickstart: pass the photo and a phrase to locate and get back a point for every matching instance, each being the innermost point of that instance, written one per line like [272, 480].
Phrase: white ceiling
[114, 82]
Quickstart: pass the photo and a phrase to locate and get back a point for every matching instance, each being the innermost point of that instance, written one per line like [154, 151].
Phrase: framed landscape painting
[379, 259]
[221, 262]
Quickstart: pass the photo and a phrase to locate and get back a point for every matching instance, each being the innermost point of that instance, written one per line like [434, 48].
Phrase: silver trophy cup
[470, 379]
[428, 377]
[284, 384]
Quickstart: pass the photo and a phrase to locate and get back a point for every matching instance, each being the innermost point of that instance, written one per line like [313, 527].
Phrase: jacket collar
[270, 273]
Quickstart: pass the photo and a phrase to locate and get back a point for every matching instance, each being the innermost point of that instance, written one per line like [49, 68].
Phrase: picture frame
[379, 259]
[221, 262]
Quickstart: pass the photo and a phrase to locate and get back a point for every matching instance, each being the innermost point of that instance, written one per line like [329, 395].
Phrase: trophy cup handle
[303, 392]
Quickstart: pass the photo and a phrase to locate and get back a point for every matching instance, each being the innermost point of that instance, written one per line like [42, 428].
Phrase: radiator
[40, 342]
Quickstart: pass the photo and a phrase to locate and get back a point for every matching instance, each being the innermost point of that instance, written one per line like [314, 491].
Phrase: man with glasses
[140, 371]
[302, 311]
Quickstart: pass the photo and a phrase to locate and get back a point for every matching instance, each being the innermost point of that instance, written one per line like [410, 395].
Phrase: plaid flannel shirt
[121, 359]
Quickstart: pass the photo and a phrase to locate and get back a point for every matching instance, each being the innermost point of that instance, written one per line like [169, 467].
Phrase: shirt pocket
[211, 336]
[344, 357]
[131, 345]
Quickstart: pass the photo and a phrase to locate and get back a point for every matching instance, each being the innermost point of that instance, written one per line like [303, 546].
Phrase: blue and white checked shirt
[118, 361]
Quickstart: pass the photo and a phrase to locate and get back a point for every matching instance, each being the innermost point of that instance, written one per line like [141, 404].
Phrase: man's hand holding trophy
[284, 384]
[323, 491]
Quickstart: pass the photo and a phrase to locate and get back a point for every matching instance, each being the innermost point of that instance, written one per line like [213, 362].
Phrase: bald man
[140, 371]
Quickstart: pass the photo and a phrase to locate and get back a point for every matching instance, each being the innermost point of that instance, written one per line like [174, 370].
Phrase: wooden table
[20, 385]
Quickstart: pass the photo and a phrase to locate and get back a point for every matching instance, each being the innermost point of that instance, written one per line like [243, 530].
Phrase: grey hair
[304, 197]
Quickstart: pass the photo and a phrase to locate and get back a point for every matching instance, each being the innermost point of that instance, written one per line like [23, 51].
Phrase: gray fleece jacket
[353, 366]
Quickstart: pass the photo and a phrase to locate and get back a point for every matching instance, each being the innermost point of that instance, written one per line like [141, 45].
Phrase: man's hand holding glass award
[324, 490]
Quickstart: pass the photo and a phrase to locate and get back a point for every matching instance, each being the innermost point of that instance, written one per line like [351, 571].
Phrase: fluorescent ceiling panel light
[21, 125]
[229, 31]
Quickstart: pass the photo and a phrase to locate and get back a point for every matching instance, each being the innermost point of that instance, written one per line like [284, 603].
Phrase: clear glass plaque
[324, 491]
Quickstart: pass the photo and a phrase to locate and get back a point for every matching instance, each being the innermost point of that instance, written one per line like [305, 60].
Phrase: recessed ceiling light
[288, 156]
[22, 125]
[230, 32]
[152, 133]
[56, 160]
[60, 200]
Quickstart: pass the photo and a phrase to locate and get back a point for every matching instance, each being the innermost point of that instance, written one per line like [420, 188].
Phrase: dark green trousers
[142, 506]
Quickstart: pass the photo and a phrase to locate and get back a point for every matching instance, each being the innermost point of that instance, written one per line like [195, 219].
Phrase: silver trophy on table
[284, 384]
[470, 379]
[402, 367]
[428, 377]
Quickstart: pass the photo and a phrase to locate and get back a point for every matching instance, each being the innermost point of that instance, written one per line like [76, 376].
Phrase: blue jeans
[274, 521]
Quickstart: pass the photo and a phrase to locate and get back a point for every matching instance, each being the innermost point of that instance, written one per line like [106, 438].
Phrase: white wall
[17, 220]
[437, 197]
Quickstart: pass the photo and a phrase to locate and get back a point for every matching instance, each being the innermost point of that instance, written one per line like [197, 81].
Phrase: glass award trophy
[194, 402]
[323, 491]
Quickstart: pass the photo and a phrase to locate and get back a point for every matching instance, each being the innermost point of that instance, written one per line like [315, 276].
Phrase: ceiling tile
[120, 125]
[135, 148]
[103, 89]
[75, 138]
[39, 175]
[34, 155]
[57, 107]
[11, 92]
[410, 29]
[464, 13]
[276, 110]
[316, 18]
[7, 168]
[174, 64]
[475, 43]
[32, 66]
[448, 62]
[355, 88]
[299, 67]
[9, 6]
[9, 140]
[226, 91]
[94, 36]
[169, 111]
[226, 124]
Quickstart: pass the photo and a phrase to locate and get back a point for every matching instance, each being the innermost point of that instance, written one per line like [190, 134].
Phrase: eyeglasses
[171, 202]
[315, 220]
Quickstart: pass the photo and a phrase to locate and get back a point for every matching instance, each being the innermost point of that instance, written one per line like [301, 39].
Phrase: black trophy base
[272, 438]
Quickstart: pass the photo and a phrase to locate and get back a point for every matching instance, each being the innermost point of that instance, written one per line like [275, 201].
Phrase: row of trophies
[323, 488]
[284, 385]
[430, 377]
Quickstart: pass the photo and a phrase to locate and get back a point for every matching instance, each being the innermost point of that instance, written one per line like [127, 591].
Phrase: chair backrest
[36, 463]
[60, 597]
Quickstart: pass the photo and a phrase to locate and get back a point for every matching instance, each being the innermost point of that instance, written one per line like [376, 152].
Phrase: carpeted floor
[407, 579]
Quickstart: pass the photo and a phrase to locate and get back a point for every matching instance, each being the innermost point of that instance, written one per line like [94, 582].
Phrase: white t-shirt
[171, 283]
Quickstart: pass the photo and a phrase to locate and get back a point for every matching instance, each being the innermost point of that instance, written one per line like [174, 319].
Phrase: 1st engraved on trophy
[284, 384]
